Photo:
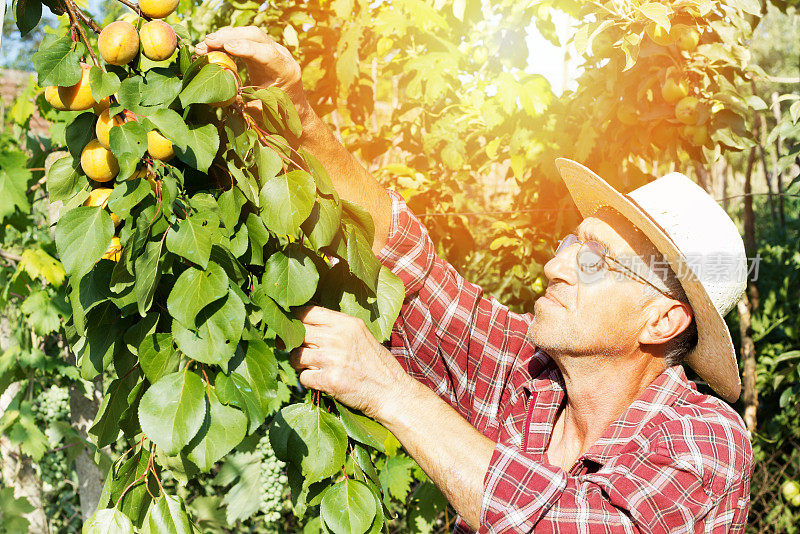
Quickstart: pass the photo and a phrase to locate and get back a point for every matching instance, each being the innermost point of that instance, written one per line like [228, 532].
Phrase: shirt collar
[661, 393]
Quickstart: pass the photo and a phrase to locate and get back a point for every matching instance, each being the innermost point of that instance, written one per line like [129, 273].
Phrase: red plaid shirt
[675, 461]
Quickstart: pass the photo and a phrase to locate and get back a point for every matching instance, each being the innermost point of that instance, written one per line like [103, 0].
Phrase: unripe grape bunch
[273, 482]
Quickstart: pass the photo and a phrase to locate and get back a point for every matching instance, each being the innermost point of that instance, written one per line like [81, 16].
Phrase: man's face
[593, 315]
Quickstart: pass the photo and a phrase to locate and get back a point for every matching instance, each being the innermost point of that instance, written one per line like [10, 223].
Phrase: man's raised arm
[269, 63]
[449, 335]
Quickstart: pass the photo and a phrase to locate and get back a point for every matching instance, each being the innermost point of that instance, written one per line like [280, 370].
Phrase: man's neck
[597, 392]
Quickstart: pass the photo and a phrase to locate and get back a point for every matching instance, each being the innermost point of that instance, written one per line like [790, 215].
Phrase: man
[576, 418]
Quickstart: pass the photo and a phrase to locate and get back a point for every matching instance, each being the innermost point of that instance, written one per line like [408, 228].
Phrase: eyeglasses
[592, 261]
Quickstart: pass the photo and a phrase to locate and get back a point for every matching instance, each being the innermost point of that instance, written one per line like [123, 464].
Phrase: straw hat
[702, 246]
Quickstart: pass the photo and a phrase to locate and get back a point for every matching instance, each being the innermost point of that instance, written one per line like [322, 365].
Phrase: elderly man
[576, 418]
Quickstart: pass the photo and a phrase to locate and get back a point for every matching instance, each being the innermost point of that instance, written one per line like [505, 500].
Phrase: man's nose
[563, 266]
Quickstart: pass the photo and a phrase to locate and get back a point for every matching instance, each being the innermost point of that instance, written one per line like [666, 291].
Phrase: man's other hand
[268, 63]
[342, 358]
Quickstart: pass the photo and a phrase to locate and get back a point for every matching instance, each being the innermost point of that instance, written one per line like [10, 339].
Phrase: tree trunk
[762, 136]
[90, 479]
[776, 112]
[745, 307]
[16, 468]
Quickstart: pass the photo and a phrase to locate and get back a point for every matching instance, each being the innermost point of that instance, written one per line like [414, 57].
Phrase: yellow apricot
[157, 9]
[99, 197]
[687, 37]
[659, 35]
[149, 176]
[673, 90]
[114, 250]
[51, 95]
[79, 96]
[98, 163]
[696, 135]
[158, 40]
[118, 43]
[686, 110]
[103, 127]
[627, 114]
[101, 106]
[159, 147]
[222, 59]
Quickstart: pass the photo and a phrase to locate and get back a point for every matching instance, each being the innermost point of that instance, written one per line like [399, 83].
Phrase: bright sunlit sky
[548, 60]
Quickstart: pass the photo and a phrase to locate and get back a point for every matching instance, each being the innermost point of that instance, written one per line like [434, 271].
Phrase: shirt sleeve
[641, 491]
[461, 344]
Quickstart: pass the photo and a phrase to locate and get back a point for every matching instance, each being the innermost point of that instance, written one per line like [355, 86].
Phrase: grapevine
[274, 484]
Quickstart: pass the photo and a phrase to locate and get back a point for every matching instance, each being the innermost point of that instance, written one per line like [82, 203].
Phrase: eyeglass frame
[598, 248]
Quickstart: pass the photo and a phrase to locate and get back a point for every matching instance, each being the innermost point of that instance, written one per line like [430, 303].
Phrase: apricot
[98, 163]
[686, 110]
[157, 9]
[79, 96]
[149, 176]
[158, 40]
[103, 127]
[696, 135]
[118, 43]
[687, 38]
[673, 90]
[101, 106]
[114, 250]
[51, 95]
[99, 197]
[223, 60]
[158, 146]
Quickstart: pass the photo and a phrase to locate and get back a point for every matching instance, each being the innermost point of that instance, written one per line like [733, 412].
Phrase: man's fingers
[228, 33]
[317, 315]
[307, 357]
[313, 379]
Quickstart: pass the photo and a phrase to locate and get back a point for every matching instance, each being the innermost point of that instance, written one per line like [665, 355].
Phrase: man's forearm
[352, 181]
[450, 450]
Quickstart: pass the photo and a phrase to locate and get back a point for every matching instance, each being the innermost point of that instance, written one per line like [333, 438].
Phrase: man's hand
[268, 63]
[341, 357]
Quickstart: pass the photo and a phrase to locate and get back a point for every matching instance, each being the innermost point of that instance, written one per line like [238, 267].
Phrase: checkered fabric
[675, 461]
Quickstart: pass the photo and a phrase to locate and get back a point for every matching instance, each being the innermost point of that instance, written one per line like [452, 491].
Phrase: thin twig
[10, 256]
[38, 184]
[71, 9]
[135, 8]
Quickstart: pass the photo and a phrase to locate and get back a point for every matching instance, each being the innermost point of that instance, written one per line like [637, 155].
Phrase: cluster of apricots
[118, 44]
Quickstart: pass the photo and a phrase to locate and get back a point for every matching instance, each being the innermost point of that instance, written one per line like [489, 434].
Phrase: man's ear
[667, 318]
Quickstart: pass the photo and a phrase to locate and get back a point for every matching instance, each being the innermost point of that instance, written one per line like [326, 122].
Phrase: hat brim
[714, 357]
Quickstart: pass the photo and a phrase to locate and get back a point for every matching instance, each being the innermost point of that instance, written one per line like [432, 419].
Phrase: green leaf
[219, 330]
[27, 14]
[202, 143]
[170, 124]
[361, 260]
[43, 314]
[160, 87]
[147, 275]
[323, 222]
[127, 195]
[390, 295]
[321, 177]
[63, 180]
[317, 444]
[278, 107]
[172, 410]
[290, 329]
[657, 12]
[108, 521]
[103, 84]
[194, 238]
[158, 357]
[366, 431]
[287, 200]
[224, 427]
[268, 161]
[245, 468]
[290, 276]
[129, 94]
[12, 511]
[193, 290]
[115, 401]
[396, 477]
[167, 516]
[79, 132]
[246, 182]
[83, 234]
[12, 194]
[348, 507]
[212, 84]
[57, 62]
[427, 503]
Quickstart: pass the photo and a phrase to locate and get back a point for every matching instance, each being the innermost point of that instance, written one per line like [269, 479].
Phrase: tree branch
[10, 256]
[135, 8]
[71, 9]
